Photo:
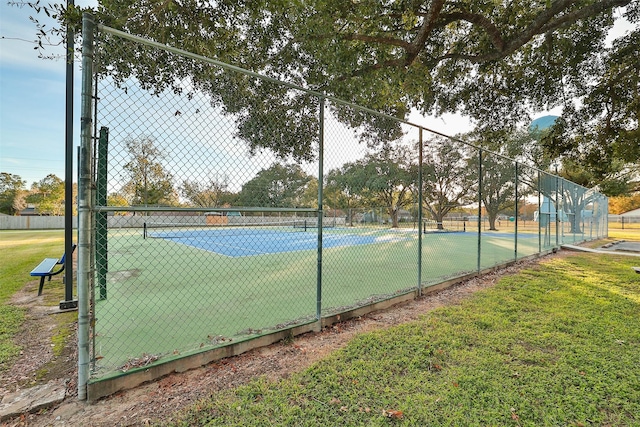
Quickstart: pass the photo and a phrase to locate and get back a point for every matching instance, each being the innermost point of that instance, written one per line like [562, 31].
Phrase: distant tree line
[47, 195]
[386, 177]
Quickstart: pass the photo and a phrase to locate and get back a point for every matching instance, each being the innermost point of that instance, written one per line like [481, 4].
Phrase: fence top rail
[320, 95]
[196, 209]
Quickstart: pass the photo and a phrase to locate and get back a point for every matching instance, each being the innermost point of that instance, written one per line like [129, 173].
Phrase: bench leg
[41, 284]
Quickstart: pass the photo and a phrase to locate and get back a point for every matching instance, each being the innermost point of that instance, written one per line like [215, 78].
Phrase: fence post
[320, 212]
[420, 189]
[84, 206]
[68, 302]
[515, 219]
[101, 218]
[539, 217]
[479, 207]
[557, 209]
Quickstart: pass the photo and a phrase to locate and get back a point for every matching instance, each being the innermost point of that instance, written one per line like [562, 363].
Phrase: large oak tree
[491, 60]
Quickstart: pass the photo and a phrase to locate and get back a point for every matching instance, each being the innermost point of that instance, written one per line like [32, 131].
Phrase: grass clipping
[554, 345]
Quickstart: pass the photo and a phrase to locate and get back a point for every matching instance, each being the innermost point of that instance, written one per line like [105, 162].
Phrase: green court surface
[165, 298]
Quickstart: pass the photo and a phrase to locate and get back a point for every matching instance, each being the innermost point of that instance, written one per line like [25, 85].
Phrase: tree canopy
[278, 186]
[148, 181]
[12, 193]
[492, 61]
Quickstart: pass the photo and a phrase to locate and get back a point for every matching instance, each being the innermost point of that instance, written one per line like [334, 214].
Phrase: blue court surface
[243, 243]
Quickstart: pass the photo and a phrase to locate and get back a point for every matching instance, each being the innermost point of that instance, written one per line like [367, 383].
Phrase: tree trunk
[492, 221]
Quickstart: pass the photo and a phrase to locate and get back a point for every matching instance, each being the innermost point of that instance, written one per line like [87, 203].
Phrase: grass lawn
[21, 252]
[556, 344]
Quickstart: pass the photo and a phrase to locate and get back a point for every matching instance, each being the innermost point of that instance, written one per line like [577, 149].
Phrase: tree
[12, 193]
[342, 188]
[448, 178]
[210, 194]
[491, 61]
[48, 194]
[498, 188]
[148, 181]
[599, 131]
[382, 178]
[622, 204]
[278, 186]
[117, 199]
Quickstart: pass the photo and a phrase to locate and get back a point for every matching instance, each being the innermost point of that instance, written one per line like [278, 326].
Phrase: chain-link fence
[210, 226]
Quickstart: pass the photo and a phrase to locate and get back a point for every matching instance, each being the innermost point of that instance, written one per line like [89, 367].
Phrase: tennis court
[261, 239]
[200, 287]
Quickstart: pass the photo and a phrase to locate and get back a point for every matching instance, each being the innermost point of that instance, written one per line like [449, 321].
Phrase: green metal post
[101, 217]
[420, 189]
[479, 208]
[515, 243]
[557, 209]
[320, 211]
[539, 217]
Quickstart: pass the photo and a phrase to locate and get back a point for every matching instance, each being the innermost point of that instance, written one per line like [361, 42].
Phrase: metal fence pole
[606, 217]
[420, 189]
[515, 219]
[479, 207]
[84, 206]
[539, 217]
[101, 217]
[320, 211]
[68, 302]
[557, 209]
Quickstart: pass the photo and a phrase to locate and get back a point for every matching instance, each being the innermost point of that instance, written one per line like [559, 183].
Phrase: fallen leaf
[391, 413]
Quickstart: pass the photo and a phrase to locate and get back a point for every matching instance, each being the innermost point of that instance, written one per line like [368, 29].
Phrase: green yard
[557, 344]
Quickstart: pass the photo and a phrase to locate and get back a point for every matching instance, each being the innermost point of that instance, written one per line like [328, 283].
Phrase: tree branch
[376, 39]
[543, 23]
[492, 31]
[427, 27]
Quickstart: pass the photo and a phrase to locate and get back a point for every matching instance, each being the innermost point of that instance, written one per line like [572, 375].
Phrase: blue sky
[32, 100]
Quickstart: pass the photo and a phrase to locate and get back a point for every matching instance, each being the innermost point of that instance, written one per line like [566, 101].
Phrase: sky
[32, 100]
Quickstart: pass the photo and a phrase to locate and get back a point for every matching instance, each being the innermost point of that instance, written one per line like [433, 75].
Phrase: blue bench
[45, 269]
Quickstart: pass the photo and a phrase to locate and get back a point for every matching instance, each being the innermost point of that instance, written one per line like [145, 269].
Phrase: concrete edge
[575, 248]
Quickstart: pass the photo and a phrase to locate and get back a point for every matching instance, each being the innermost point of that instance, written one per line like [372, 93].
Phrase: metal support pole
[320, 211]
[557, 211]
[101, 217]
[515, 219]
[68, 302]
[539, 217]
[84, 206]
[420, 190]
[479, 207]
